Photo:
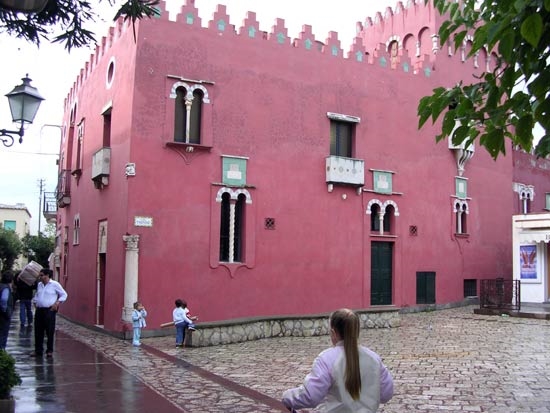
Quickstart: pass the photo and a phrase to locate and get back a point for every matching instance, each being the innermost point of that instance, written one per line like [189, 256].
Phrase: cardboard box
[29, 275]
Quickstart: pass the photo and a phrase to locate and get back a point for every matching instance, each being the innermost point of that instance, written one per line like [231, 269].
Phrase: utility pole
[41, 185]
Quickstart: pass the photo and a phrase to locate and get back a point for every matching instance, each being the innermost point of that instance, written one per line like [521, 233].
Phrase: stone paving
[442, 361]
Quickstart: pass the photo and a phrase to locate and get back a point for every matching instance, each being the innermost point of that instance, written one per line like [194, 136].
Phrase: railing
[63, 192]
[500, 294]
[49, 208]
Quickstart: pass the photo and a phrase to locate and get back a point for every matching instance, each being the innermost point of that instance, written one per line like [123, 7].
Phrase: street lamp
[24, 102]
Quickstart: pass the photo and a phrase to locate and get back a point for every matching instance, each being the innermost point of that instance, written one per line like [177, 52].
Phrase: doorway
[381, 271]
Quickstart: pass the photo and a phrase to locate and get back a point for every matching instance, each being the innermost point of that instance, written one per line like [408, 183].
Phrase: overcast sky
[53, 72]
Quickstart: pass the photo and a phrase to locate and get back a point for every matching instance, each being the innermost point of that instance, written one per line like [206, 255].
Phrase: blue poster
[528, 262]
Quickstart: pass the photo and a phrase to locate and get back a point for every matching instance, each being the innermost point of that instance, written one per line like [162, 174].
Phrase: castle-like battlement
[403, 38]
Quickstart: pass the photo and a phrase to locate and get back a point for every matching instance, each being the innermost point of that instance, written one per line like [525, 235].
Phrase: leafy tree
[63, 21]
[10, 248]
[49, 230]
[38, 248]
[496, 107]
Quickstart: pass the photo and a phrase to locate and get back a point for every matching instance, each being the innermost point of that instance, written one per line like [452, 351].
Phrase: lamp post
[24, 102]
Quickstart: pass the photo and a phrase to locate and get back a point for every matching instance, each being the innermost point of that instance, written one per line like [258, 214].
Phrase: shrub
[9, 377]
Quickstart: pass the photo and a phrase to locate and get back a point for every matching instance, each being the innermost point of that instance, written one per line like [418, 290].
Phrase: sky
[53, 71]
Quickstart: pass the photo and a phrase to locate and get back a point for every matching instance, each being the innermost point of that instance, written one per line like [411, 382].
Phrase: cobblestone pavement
[448, 360]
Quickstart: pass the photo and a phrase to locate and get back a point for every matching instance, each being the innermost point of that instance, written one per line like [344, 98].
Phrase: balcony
[101, 166]
[345, 171]
[49, 208]
[63, 191]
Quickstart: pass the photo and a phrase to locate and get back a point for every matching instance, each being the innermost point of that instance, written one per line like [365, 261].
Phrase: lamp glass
[24, 102]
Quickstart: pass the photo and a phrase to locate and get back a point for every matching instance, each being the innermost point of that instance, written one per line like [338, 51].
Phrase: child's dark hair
[181, 303]
[136, 305]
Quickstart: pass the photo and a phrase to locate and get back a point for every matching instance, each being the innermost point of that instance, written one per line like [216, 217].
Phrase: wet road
[77, 379]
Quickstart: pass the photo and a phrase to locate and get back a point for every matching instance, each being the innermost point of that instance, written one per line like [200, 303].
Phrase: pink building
[256, 175]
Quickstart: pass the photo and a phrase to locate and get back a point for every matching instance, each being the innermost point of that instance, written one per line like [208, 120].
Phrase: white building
[16, 218]
[531, 235]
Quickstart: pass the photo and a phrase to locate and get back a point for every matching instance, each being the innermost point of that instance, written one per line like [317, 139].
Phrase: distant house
[16, 218]
[258, 175]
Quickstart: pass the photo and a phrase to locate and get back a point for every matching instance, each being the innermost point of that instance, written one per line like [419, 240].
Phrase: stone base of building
[248, 329]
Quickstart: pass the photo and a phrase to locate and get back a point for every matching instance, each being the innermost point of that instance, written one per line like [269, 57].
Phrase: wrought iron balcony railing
[63, 192]
[49, 207]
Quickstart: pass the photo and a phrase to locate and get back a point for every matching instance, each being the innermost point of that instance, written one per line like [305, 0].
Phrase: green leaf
[524, 131]
[540, 86]
[459, 38]
[449, 122]
[424, 111]
[493, 141]
[543, 147]
[506, 45]
[542, 113]
[460, 134]
[547, 5]
[531, 29]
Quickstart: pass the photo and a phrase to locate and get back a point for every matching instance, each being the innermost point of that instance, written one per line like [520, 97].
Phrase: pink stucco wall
[269, 103]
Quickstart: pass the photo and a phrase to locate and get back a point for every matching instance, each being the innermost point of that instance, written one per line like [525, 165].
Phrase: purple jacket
[325, 384]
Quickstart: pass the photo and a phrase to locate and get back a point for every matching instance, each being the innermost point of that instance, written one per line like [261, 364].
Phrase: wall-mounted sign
[382, 182]
[461, 187]
[143, 221]
[234, 170]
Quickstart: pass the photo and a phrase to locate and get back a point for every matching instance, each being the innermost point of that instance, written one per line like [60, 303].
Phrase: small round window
[110, 73]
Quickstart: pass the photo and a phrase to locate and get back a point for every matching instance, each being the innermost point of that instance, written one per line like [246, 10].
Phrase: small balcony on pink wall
[101, 166]
[345, 171]
[63, 190]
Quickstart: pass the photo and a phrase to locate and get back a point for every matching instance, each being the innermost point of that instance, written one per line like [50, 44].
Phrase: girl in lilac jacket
[346, 377]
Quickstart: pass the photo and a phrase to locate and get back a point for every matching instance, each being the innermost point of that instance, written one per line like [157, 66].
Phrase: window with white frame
[232, 229]
[342, 131]
[526, 197]
[9, 224]
[526, 194]
[460, 211]
[188, 114]
[79, 146]
[76, 229]
[382, 216]
[232, 218]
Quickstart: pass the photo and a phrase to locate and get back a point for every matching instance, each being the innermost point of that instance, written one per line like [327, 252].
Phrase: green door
[381, 273]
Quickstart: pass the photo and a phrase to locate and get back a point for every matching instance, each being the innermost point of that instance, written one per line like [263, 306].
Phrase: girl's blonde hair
[346, 323]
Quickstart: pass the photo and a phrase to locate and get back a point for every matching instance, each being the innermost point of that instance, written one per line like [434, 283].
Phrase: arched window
[232, 228]
[375, 217]
[461, 214]
[188, 113]
[389, 214]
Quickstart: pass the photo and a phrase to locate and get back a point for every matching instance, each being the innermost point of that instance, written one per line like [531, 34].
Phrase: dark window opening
[107, 129]
[188, 115]
[224, 228]
[425, 287]
[470, 288]
[374, 217]
[340, 138]
[389, 215]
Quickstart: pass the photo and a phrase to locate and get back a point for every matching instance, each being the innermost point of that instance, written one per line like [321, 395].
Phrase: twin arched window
[231, 228]
[187, 127]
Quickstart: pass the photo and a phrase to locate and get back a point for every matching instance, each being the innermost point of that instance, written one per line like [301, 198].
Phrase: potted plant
[9, 378]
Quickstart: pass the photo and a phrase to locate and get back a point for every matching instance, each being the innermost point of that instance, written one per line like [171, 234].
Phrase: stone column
[131, 272]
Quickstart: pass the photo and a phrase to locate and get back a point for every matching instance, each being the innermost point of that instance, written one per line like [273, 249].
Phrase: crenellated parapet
[403, 39]
[114, 34]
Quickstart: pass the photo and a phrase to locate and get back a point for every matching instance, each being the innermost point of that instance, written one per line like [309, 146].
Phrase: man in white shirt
[49, 294]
